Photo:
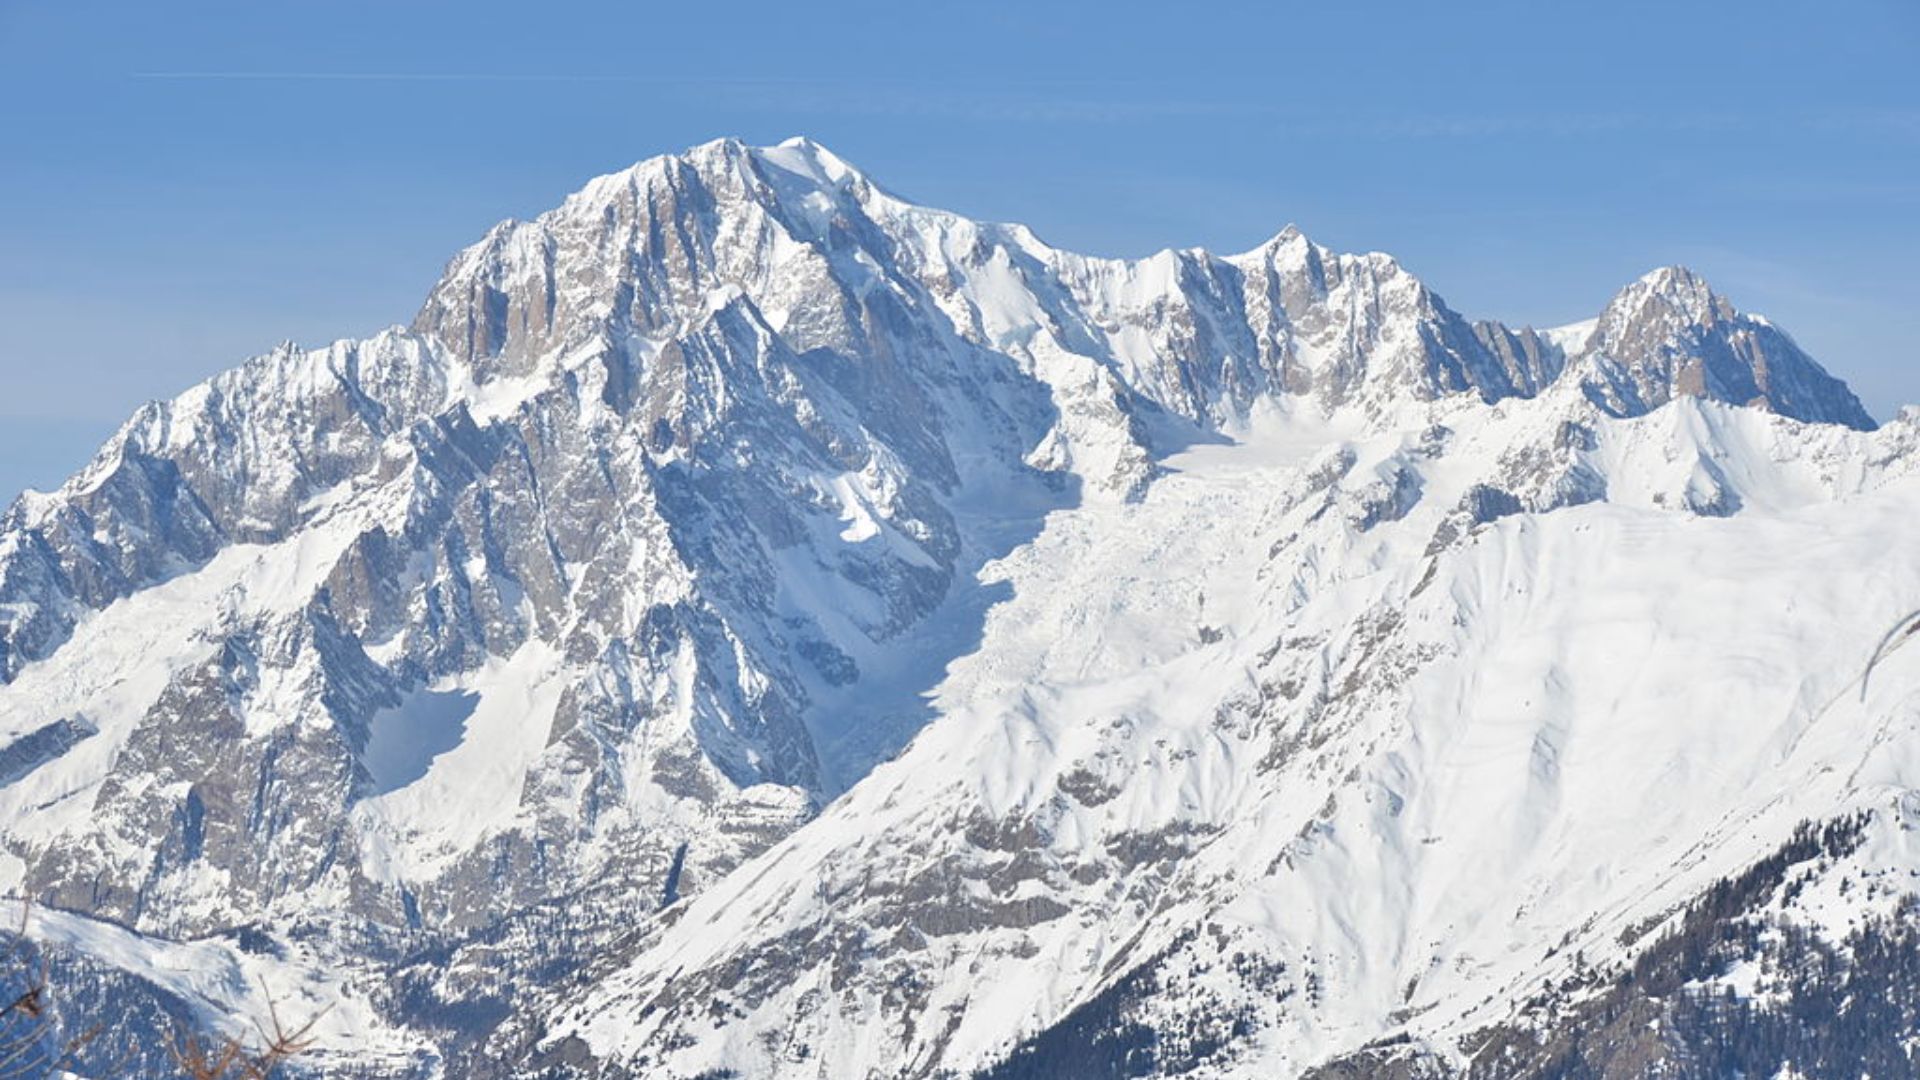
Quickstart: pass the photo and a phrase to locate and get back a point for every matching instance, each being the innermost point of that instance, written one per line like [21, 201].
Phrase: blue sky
[185, 184]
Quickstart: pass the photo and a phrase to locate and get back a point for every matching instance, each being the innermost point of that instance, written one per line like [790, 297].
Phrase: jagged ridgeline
[751, 624]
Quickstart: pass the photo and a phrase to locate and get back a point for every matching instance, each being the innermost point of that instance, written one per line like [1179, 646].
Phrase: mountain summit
[1669, 335]
[750, 622]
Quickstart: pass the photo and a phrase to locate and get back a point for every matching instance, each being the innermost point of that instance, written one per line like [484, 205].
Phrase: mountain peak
[1673, 277]
[1668, 335]
[637, 253]
[1290, 237]
[1679, 290]
[808, 159]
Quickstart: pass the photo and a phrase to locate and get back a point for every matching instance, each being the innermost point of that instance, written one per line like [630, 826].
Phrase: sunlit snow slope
[1332, 777]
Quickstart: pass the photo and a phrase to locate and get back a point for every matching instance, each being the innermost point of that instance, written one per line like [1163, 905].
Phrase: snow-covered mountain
[751, 623]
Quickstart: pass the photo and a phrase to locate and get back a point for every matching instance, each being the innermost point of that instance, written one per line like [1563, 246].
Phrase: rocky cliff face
[1668, 335]
[526, 646]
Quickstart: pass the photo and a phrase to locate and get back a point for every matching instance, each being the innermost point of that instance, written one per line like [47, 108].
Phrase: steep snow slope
[1265, 714]
[523, 646]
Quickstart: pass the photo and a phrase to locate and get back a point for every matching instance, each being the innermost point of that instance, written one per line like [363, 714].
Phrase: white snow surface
[449, 762]
[1573, 336]
[1567, 723]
